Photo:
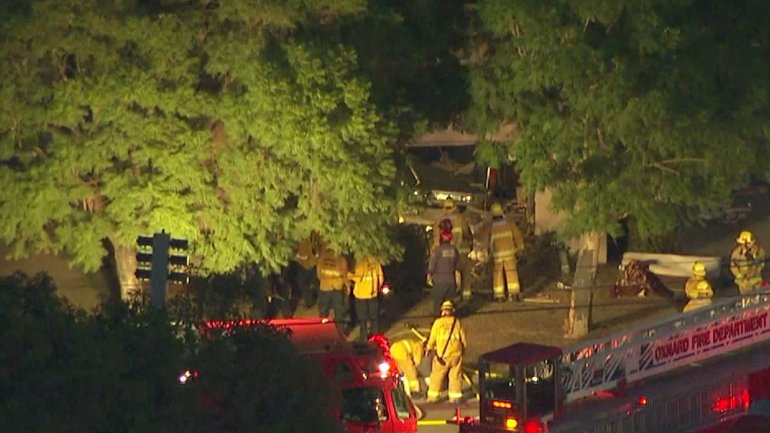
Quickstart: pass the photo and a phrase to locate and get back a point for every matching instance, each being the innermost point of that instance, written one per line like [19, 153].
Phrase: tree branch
[676, 160]
[664, 168]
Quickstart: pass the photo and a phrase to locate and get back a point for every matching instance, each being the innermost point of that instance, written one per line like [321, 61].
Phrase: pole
[159, 270]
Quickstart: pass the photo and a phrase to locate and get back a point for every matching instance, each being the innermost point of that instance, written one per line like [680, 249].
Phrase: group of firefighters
[449, 268]
[746, 264]
[450, 262]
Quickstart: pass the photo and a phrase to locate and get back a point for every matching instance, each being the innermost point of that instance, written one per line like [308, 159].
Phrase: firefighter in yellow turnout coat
[746, 263]
[367, 278]
[505, 240]
[408, 354]
[447, 339]
[698, 289]
[332, 270]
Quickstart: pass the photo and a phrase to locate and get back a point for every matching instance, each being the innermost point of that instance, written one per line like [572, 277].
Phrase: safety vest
[504, 239]
[368, 278]
[440, 337]
[331, 270]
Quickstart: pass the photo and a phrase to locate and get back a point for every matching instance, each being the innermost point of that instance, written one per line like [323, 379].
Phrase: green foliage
[223, 123]
[655, 109]
[116, 369]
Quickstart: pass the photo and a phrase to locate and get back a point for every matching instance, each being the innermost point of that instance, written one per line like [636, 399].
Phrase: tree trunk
[125, 264]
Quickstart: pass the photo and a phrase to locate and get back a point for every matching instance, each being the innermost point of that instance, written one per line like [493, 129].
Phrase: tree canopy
[240, 126]
[654, 110]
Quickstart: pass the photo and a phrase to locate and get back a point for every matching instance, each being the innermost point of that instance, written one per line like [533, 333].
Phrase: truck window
[363, 405]
[541, 389]
[500, 382]
[400, 401]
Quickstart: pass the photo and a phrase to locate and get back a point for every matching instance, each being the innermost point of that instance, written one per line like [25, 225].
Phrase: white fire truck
[680, 374]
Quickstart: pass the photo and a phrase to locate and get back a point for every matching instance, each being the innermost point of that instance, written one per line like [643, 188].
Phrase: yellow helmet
[745, 238]
[698, 269]
[703, 286]
[496, 209]
[447, 306]
[449, 204]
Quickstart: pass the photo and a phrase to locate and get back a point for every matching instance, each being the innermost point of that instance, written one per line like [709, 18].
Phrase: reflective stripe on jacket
[306, 256]
[505, 239]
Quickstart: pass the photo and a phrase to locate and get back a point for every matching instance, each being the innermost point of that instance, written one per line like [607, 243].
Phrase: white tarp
[675, 265]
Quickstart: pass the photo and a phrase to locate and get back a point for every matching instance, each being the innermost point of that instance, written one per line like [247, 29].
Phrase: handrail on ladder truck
[609, 362]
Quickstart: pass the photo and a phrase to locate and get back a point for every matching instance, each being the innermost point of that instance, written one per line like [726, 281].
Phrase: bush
[117, 368]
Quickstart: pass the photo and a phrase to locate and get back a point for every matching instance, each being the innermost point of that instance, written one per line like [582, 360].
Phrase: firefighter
[447, 341]
[505, 240]
[441, 272]
[367, 279]
[700, 295]
[746, 263]
[306, 280]
[332, 270]
[462, 239]
[408, 354]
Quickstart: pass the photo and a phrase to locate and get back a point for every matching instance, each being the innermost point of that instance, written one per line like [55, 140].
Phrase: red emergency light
[732, 402]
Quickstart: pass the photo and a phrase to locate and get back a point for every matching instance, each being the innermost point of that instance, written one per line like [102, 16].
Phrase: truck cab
[519, 389]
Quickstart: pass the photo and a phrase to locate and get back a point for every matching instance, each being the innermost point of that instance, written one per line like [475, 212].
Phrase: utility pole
[157, 264]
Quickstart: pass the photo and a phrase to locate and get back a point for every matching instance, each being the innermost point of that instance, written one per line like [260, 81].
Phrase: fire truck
[684, 373]
[369, 396]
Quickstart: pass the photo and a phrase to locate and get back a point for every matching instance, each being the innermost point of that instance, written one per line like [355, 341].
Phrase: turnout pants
[308, 285]
[464, 268]
[452, 368]
[335, 300]
[505, 275]
[410, 371]
[694, 304]
[367, 314]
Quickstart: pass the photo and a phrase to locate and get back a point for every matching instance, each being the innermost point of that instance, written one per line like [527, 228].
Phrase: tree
[220, 122]
[653, 110]
[117, 369]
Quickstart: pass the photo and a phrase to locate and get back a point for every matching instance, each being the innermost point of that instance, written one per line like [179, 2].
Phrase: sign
[704, 339]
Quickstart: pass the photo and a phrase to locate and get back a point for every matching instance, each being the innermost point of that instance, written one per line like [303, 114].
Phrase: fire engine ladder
[624, 357]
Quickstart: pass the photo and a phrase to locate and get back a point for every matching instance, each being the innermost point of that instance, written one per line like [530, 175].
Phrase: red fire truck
[369, 394]
[681, 374]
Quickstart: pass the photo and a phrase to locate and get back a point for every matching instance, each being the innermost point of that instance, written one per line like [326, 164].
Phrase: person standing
[447, 340]
[441, 272]
[746, 263]
[462, 239]
[505, 240]
[307, 258]
[367, 279]
[332, 270]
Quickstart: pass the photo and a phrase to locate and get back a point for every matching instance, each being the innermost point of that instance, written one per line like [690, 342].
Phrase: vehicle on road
[686, 373]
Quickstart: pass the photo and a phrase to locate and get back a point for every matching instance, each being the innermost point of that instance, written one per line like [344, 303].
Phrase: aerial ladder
[679, 374]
